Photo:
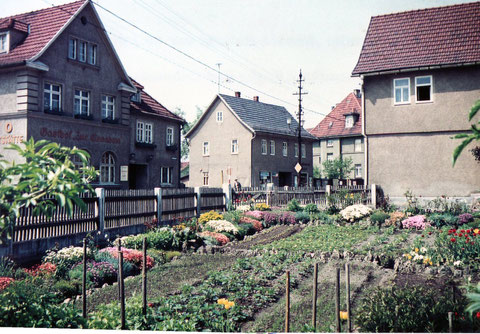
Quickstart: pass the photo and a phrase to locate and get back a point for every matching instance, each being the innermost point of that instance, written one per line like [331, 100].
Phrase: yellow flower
[343, 315]
[229, 304]
[430, 263]
[226, 303]
[416, 250]
[477, 231]
[409, 256]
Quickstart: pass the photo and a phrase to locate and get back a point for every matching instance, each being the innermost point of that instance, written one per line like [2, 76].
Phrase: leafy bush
[221, 239]
[130, 255]
[67, 289]
[379, 217]
[233, 216]
[322, 217]
[249, 229]
[294, 206]
[7, 267]
[302, 217]
[161, 238]
[464, 218]
[409, 309]
[211, 215]
[271, 218]
[311, 208]
[442, 219]
[24, 305]
[395, 219]
[286, 218]
[129, 268]
[332, 209]
[98, 273]
[257, 225]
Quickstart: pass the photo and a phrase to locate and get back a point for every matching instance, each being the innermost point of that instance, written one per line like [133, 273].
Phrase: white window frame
[92, 54]
[206, 149]
[107, 168]
[285, 149]
[304, 151]
[169, 138]
[329, 142]
[72, 53]
[357, 145]
[358, 170]
[148, 133]
[82, 51]
[140, 131]
[80, 99]
[330, 157]
[423, 85]
[4, 42]
[264, 147]
[166, 173]
[234, 146]
[205, 178]
[108, 107]
[219, 116]
[296, 150]
[402, 87]
[51, 92]
[349, 121]
[272, 147]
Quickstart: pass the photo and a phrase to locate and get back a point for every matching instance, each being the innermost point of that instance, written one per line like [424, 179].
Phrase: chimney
[357, 93]
[255, 98]
[237, 94]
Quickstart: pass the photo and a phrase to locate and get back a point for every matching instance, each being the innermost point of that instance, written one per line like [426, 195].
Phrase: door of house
[284, 179]
[137, 176]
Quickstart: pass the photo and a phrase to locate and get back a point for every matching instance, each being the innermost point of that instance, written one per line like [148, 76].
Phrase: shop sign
[123, 173]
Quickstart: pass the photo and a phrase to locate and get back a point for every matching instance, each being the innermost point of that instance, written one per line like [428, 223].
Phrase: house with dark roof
[339, 135]
[61, 80]
[253, 142]
[421, 75]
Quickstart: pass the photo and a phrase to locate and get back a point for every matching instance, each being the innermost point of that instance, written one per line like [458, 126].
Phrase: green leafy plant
[379, 217]
[474, 301]
[468, 137]
[311, 208]
[294, 206]
[302, 217]
[339, 168]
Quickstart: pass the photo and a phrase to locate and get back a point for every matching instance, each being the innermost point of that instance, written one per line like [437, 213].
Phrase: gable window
[107, 168]
[401, 90]
[4, 42]
[330, 143]
[358, 145]
[52, 97]
[82, 52]
[169, 136]
[423, 88]
[81, 103]
[108, 107]
[219, 116]
[264, 146]
[272, 147]
[304, 151]
[205, 178]
[358, 171]
[296, 150]
[234, 146]
[329, 156]
[349, 121]
[92, 54]
[144, 132]
[166, 175]
[137, 97]
[285, 149]
[206, 148]
[72, 48]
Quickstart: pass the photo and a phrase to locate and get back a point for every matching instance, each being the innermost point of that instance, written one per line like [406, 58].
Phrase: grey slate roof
[263, 117]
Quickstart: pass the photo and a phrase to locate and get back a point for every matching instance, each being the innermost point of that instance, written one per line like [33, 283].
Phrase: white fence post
[374, 195]
[227, 190]
[158, 193]
[198, 192]
[100, 208]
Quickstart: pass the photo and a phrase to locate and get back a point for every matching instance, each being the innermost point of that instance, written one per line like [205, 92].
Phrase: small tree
[48, 170]
[316, 172]
[338, 168]
[185, 148]
[469, 137]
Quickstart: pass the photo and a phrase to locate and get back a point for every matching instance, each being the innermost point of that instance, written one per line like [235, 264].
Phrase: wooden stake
[122, 289]
[314, 306]
[450, 322]
[119, 248]
[287, 303]
[337, 301]
[347, 280]
[144, 276]
[84, 280]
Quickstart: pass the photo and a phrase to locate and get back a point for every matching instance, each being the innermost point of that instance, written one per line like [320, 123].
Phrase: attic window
[4, 42]
[330, 125]
[136, 97]
[349, 121]
[83, 19]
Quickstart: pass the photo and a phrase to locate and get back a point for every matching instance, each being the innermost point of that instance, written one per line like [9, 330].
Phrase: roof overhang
[37, 65]
[414, 69]
[127, 88]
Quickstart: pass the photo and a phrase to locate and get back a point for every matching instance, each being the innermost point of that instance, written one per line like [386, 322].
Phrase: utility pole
[299, 116]
[218, 81]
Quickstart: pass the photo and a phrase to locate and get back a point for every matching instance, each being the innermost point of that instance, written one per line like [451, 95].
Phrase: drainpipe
[365, 139]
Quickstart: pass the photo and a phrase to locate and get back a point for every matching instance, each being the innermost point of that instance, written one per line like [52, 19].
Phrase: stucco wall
[8, 92]
[219, 136]
[358, 157]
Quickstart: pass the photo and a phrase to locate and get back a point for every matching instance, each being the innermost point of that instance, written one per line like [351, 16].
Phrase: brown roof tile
[333, 125]
[426, 37]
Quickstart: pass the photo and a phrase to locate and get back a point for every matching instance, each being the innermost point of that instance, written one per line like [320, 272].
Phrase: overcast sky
[260, 44]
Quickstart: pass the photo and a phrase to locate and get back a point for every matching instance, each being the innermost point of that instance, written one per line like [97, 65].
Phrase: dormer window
[3, 42]
[349, 121]
[136, 97]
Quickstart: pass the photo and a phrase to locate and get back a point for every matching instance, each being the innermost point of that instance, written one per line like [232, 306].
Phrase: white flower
[243, 208]
[354, 212]
[458, 263]
[222, 226]
[423, 250]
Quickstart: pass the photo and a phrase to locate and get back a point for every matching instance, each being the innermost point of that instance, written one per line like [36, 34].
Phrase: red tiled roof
[149, 105]
[184, 165]
[333, 125]
[44, 25]
[426, 37]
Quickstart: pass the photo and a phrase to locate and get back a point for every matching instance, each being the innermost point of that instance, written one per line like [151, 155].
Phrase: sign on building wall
[123, 173]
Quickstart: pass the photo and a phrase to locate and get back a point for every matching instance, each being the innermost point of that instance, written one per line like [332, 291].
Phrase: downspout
[365, 145]
[251, 159]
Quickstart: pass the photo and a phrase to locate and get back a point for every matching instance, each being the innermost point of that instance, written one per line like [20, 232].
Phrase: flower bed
[257, 225]
[221, 238]
[130, 255]
[418, 222]
[222, 226]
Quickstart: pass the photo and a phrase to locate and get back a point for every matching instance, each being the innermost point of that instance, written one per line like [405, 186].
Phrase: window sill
[53, 112]
[206, 155]
[145, 145]
[83, 116]
[234, 153]
[110, 120]
[81, 63]
[402, 104]
[424, 102]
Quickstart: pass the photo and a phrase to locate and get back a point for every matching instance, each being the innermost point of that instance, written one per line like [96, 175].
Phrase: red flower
[478, 315]
[472, 243]
[423, 236]
[430, 233]
[452, 240]
[463, 231]
[150, 305]
[460, 235]
[468, 231]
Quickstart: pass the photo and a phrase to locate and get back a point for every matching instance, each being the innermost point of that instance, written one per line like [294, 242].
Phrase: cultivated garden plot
[225, 272]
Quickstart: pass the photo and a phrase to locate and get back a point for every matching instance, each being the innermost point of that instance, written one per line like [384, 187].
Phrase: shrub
[464, 218]
[211, 215]
[322, 217]
[98, 273]
[257, 225]
[270, 218]
[221, 239]
[233, 216]
[24, 305]
[160, 239]
[286, 218]
[379, 217]
[294, 206]
[302, 217]
[7, 267]
[332, 209]
[157, 255]
[262, 207]
[5, 281]
[395, 218]
[408, 309]
[129, 269]
[257, 214]
[442, 219]
[46, 268]
[311, 208]
[222, 226]
[418, 222]
[67, 289]
[169, 255]
[130, 255]
[249, 229]
[355, 212]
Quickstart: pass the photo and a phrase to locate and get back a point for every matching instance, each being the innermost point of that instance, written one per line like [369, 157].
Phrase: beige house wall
[220, 160]
[358, 157]
[8, 92]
